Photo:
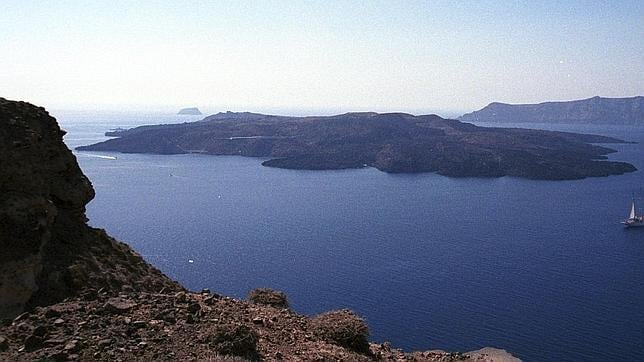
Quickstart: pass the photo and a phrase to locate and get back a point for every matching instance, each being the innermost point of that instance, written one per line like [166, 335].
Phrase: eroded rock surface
[48, 251]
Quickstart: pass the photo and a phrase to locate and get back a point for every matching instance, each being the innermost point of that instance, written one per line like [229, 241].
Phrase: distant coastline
[596, 110]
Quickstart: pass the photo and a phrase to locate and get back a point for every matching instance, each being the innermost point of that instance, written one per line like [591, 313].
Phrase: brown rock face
[41, 182]
[48, 251]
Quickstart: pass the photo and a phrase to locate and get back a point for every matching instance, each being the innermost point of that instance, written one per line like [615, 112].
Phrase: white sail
[632, 216]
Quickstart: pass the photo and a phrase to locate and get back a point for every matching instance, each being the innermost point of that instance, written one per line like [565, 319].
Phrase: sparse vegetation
[343, 328]
[267, 296]
[235, 340]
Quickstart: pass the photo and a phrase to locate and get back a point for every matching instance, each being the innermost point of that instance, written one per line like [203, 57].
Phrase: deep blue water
[540, 268]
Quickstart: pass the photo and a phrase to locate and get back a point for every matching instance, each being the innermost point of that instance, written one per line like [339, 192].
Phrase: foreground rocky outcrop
[48, 251]
[71, 292]
[596, 110]
[392, 142]
[197, 326]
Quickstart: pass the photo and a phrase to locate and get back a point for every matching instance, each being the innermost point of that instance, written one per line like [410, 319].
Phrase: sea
[542, 269]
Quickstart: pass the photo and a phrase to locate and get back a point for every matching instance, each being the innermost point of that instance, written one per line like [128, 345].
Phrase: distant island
[192, 111]
[596, 110]
[391, 142]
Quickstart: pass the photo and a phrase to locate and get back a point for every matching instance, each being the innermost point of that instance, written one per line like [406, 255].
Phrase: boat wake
[99, 156]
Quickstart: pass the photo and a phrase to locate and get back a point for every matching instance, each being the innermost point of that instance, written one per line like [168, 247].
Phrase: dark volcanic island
[391, 142]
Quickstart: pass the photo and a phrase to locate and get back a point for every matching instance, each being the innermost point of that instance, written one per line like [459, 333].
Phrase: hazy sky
[339, 55]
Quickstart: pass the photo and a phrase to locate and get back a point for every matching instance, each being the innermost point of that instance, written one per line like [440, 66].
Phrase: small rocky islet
[190, 111]
[71, 292]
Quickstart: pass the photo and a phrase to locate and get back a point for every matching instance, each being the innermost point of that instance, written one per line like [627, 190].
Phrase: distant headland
[596, 110]
[191, 111]
[390, 142]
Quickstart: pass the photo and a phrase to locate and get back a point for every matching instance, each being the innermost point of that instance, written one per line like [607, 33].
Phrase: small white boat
[633, 220]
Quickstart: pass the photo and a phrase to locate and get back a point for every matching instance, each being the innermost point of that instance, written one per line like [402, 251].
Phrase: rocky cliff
[596, 110]
[48, 251]
[70, 292]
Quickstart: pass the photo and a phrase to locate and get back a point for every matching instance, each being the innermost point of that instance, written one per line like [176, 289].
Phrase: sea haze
[540, 268]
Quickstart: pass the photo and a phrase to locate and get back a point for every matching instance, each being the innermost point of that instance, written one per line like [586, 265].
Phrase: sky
[308, 56]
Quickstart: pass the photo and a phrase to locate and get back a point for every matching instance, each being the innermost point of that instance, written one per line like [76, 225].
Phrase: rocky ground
[196, 326]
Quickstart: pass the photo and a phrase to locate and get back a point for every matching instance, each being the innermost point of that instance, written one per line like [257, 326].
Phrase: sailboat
[633, 220]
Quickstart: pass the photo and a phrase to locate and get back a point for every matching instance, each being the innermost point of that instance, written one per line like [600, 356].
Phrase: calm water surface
[540, 268]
